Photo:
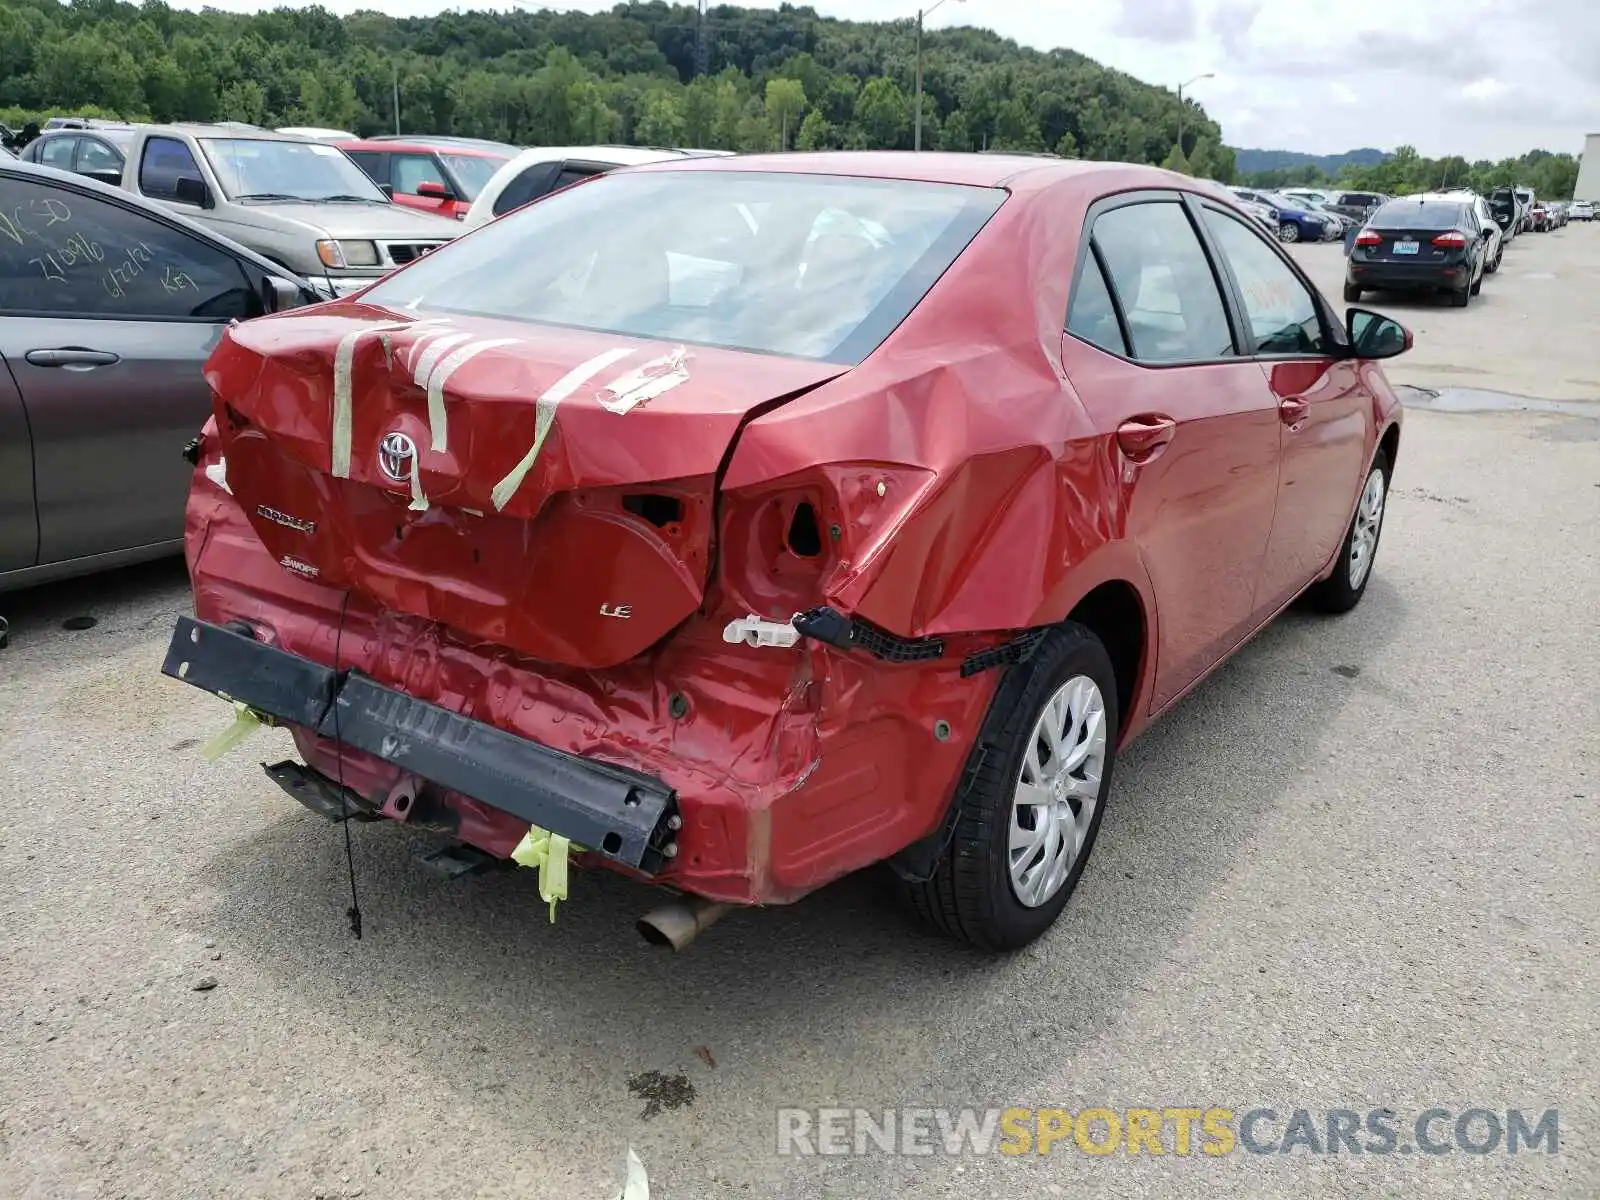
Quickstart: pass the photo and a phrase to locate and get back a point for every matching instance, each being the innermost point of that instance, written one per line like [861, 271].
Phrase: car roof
[234, 129]
[424, 144]
[11, 168]
[1015, 171]
[428, 141]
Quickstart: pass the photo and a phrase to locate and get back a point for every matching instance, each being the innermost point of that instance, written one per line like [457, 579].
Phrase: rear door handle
[1143, 438]
[74, 358]
[1292, 412]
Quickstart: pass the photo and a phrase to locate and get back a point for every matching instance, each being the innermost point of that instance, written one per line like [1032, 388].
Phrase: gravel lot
[1356, 869]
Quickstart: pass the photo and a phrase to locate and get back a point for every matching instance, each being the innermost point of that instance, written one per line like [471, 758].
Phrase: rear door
[106, 316]
[1325, 420]
[1154, 354]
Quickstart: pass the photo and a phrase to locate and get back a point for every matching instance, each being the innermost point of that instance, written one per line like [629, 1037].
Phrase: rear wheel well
[1390, 445]
[1115, 615]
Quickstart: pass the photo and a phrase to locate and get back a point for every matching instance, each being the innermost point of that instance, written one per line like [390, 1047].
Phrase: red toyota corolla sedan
[739, 523]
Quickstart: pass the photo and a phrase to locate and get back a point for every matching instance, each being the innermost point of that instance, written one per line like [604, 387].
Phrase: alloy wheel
[1369, 523]
[1057, 790]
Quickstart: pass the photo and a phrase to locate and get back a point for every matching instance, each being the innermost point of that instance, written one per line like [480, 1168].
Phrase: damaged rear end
[475, 548]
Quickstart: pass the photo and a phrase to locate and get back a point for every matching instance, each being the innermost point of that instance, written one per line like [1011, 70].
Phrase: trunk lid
[1424, 251]
[550, 490]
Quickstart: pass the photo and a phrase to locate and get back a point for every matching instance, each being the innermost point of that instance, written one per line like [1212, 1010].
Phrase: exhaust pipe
[679, 923]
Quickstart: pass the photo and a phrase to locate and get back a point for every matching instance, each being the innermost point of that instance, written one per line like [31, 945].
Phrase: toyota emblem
[396, 453]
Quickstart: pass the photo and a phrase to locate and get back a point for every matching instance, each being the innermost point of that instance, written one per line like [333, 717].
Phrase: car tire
[1495, 265]
[975, 893]
[1352, 294]
[1461, 297]
[1288, 231]
[1477, 284]
[1342, 591]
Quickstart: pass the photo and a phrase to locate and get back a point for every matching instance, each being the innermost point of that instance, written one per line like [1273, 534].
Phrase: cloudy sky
[1481, 78]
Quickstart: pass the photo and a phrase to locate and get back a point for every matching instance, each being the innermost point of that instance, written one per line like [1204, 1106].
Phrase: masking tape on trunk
[654, 378]
[429, 349]
[545, 415]
[344, 359]
[440, 375]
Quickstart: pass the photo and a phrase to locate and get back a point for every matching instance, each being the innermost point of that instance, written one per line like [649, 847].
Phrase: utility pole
[1181, 86]
[916, 136]
[702, 46]
[396, 67]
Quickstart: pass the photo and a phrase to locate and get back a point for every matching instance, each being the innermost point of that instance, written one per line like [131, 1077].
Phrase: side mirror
[1373, 335]
[434, 190]
[279, 294]
[387, 189]
[190, 190]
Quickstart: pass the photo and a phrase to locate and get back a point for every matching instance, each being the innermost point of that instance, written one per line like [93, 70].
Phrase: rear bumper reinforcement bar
[612, 811]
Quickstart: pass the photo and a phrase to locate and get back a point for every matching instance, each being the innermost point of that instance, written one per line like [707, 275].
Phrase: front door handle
[74, 358]
[1143, 438]
[1292, 412]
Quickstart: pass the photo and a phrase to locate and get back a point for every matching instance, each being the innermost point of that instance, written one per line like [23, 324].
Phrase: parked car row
[1303, 217]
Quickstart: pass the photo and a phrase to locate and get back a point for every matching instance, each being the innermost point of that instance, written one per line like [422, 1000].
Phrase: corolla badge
[396, 453]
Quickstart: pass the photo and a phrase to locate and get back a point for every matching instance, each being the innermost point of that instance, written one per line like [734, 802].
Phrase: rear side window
[1161, 277]
[1282, 314]
[63, 253]
[371, 162]
[165, 161]
[1093, 315]
[1424, 214]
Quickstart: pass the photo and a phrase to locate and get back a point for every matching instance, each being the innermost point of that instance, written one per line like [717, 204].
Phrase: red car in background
[782, 515]
[436, 174]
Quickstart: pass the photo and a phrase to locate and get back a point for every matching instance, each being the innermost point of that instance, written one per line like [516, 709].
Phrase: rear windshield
[1413, 214]
[808, 266]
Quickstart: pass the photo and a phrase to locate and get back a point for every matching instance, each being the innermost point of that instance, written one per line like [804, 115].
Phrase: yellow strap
[245, 722]
[547, 853]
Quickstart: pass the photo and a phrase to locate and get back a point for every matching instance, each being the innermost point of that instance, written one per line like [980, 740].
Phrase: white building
[1588, 187]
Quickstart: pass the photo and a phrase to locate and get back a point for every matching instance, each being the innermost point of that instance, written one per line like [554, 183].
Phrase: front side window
[265, 169]
[408, 171]
[63, 253]
[472, 171]
[827, 271]
[95, 155]
[1283, 315]
[1167, 289]
[164, 162]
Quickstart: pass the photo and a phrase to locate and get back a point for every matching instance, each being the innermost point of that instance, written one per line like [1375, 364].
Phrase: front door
[107, 315]
[19, 525]
[1325, 412]
[1192, 426]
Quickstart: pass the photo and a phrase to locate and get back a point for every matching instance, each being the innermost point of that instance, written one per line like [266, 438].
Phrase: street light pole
[916, 135]
[1181, 86]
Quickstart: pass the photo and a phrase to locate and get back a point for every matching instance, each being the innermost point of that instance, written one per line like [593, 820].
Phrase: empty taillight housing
[1451, 241]
[1368, 238]
[777, 546]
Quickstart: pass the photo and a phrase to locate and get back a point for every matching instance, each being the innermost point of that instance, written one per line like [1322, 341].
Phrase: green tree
[662, 123]
[882, 114]
[1176, 160]
[954, 134]
[815, 133]
[786, 100]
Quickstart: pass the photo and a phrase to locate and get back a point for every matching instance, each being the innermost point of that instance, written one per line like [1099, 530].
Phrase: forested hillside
[764, 79]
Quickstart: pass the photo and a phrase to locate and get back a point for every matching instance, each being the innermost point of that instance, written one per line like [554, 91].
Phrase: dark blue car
[1296, 222]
